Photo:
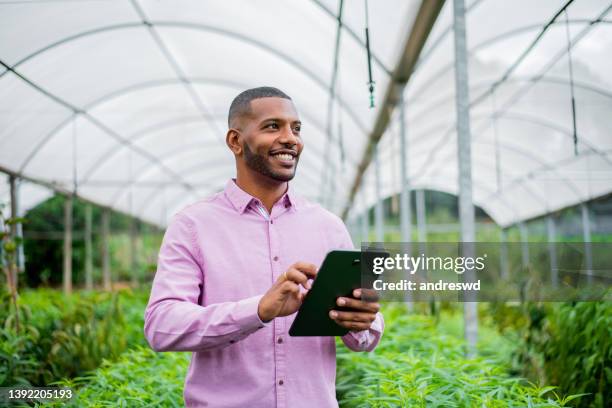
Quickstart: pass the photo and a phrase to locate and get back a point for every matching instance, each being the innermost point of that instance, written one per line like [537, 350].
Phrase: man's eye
[297, 128]
[272, 126]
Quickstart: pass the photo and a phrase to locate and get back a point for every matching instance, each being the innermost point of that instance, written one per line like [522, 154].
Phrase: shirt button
[275, 258]
[271, 221]
[280, 340]
[281, 382]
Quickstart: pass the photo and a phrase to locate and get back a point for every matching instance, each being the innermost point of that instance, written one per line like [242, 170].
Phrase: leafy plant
[9, 243]
[419, 363]
[568, 344]
[64, 336]
[140, 378]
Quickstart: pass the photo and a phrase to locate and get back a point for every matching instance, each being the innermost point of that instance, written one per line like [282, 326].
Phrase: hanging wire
[367, 35]
[571, 80]
[496, 141]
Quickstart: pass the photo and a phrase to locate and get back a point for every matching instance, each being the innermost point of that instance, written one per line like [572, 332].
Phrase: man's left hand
[363, 313]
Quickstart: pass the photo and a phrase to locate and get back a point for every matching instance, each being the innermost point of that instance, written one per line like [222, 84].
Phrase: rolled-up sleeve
[365, 340]
[174, 319]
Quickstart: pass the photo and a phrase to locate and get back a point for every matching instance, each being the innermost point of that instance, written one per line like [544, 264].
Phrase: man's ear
[232, 139]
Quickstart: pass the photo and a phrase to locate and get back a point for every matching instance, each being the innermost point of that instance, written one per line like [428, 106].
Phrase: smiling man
[233, 270]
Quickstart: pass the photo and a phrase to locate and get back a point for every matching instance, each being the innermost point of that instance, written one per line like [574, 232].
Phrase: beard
[261, 165]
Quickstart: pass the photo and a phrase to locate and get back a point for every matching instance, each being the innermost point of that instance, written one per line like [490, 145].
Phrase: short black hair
[241, 105]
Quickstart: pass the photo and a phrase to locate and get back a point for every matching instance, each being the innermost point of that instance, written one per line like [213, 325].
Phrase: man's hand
[284, 297]
[364, 311]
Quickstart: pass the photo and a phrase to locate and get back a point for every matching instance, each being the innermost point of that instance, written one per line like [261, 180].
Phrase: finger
[368, 295]
[359, 305]
[289, 287]
[307, 268]
[360, 317]
[296, 276]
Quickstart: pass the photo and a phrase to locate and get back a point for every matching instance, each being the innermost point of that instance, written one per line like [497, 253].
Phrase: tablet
[339, 275]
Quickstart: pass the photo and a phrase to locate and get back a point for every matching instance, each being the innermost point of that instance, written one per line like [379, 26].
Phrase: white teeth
[284, 156]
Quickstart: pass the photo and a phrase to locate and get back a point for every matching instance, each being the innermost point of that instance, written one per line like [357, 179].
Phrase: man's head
[264, 134]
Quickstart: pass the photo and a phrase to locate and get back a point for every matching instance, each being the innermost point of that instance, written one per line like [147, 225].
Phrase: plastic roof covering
[130, 97]
[134, 94]
[523, 160]
[30, 195]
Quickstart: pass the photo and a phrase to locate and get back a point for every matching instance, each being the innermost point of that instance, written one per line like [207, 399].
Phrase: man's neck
[268, 191]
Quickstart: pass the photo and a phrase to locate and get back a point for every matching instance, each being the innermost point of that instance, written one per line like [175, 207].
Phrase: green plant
[9, 242]
[419, 363]
[568, 344]
[140, 378]
[64, 336]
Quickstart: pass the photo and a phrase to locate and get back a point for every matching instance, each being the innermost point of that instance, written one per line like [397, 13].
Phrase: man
[233, 270]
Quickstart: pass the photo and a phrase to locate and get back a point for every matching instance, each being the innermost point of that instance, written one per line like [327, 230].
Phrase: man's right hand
[285, 297]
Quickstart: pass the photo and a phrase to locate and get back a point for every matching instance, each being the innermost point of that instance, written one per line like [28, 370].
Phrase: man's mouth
[285, 156]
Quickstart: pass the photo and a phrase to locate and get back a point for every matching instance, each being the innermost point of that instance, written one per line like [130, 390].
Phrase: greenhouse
[429, 128]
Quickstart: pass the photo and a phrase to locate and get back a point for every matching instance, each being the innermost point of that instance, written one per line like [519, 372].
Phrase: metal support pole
[421, 214]
[503, 254]
[405, 210]
[586, 237]
[133, 252]
[67, 280]
[13, 184]
[464, 158]
[552, 250]
[379, 216]
[524, 233]
[405, 207]
[88, 248]
[106, 271]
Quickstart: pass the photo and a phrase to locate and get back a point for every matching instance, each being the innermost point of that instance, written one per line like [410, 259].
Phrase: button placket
[279, 323]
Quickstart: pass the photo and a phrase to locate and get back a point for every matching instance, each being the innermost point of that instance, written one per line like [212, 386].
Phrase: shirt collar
[240, 199]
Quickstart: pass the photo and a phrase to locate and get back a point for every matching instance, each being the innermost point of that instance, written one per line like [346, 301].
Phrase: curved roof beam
[482, 84]
[97, 123]
[583, 140]
[206, 28]
[488, 117]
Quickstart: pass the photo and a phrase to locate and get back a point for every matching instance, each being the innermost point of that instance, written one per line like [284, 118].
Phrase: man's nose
[288, 137]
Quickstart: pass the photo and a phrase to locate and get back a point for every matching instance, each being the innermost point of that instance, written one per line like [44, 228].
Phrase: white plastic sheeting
[127, 100]
[523, 159]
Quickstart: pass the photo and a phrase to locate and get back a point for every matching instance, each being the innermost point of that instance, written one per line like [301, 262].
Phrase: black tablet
[340, 274]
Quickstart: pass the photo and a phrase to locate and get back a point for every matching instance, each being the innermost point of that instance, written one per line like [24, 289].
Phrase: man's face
[271, 138]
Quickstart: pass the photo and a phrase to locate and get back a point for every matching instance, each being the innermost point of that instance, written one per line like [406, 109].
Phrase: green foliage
[419, 363]
[141, 378]
[43, 243]
[63, 336]
[567, 344]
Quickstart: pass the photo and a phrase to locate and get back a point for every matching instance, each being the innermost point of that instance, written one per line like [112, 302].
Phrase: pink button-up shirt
[218, 257]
